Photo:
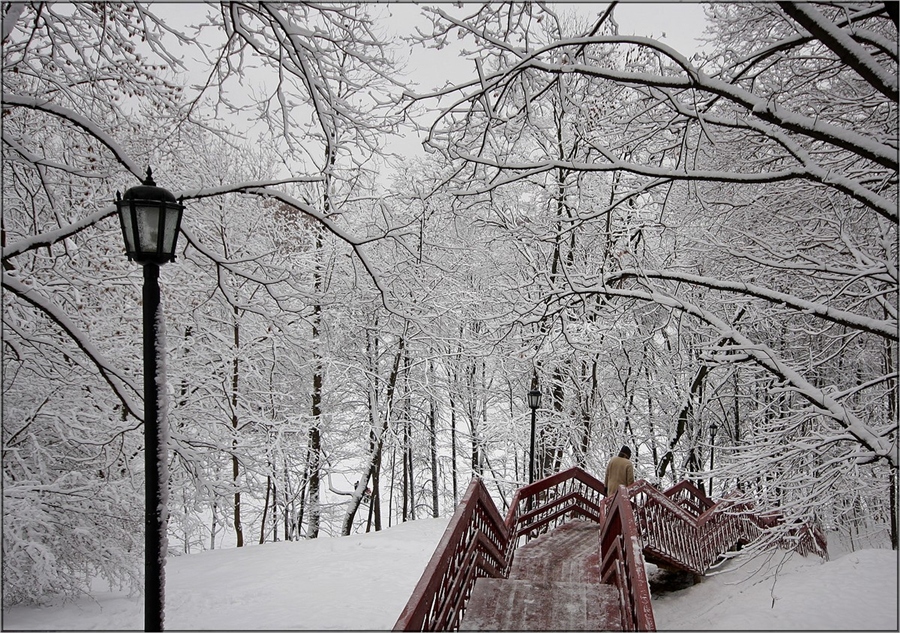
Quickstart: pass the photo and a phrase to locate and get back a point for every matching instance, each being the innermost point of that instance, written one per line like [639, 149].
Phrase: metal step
[554, 585]
[570, 553]
[535, 605]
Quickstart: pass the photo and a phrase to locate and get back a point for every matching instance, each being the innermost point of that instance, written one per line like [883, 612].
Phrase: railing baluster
[681, 524]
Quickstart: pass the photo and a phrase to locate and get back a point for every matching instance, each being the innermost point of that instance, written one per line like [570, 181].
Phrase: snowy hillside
[363, 582]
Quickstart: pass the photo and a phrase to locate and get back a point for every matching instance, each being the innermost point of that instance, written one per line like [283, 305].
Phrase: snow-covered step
[538, 605]
[569, 553]
[554, 585]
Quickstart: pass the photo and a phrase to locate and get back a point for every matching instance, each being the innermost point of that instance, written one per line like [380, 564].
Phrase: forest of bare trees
[692, 254]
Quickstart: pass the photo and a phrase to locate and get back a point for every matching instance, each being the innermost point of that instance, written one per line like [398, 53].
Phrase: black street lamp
[151, 218]
[712, 453]
[534, 401]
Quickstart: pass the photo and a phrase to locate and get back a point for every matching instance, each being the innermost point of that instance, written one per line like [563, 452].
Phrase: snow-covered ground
[363, 582]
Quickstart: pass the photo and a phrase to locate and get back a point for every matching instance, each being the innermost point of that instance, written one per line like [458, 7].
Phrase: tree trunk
[375, 503]
[391, 492]
[453, 449]
[315, 431]
[376, 443]
[301, 514]
[213, 527]
[407, 472]
[432, 429]
[235, 472]
[313, 478]
[288, 505]
[893, 504]
[409, 480]
[473, 417]
[274, 509]
[262, 527]
[315, 437]
[892, 407]
[235, 420]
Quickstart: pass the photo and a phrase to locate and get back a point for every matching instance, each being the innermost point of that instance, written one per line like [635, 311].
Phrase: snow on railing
[681, 526]
[622, 562]
[464, 554]
[473, 546]
[685, 528]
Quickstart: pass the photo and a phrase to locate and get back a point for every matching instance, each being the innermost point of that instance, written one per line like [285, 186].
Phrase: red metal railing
[689, 497]
[622, 562]
[686, 529]
[803, 538]
[682, 527]
[474, 545]
[550, 502]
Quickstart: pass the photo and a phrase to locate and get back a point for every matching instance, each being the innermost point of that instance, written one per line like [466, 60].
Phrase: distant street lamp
[151, 218]
[712, 453]
[534, 401]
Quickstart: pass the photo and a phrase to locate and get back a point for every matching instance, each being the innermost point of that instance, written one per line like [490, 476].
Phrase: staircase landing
[554, 585]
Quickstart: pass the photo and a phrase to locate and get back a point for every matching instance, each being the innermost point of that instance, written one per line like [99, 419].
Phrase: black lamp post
[534, 401]
[151, 218]
[712, 452]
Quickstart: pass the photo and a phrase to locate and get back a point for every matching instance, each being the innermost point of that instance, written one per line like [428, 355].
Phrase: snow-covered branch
[879, 445]
[85, 123]
[120, 384]
[884, 329]
[844, 47]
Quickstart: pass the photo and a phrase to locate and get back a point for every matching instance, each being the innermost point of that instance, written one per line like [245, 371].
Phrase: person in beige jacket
[619, 472]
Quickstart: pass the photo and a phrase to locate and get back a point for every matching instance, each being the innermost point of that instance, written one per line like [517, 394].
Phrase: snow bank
[355, 582]
[785, 591]
[362, 582]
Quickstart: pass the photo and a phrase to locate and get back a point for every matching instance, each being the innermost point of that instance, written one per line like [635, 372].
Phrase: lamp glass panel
[171, 229]
[148, 228]
[125, 216]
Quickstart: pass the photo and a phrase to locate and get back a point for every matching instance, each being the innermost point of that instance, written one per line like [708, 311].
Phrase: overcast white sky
[677, 24]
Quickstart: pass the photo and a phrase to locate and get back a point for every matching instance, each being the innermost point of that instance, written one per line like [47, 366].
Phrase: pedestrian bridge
[570, 557]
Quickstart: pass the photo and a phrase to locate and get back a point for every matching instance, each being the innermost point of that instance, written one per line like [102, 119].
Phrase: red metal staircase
[568, 557]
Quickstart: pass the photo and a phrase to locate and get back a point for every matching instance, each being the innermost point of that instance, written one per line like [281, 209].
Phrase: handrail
[439, 599]
[804, 539]
[478, 543]
[473, 545]
[544, 504]
[671, 529]
[681, 526]
[690, 497]
[674, 529]
[622, 562]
